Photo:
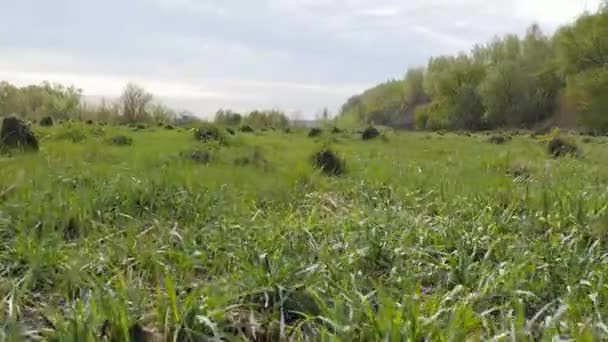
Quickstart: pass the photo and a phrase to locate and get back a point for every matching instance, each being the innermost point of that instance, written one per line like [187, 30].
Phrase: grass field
[425, 237]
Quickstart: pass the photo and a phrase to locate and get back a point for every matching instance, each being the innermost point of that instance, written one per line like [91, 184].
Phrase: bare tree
[135, 101]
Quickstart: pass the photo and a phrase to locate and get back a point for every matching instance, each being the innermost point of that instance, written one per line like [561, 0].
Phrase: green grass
[425, 237]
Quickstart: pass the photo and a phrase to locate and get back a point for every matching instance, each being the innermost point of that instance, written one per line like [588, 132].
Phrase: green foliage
[228, 118]
[509, 82]
[587, 91]
[37, 101]
[210, 132]
[266, 119]
[380, 105]
[448, 239]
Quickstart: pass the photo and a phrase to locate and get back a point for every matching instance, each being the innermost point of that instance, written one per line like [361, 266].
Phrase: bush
[230, 131]
[121, 140]
[315, 132]
[336, 130]
[16, 134]
[209, 132]
[140, 127]
[47, 121]
[329, 162]
[370, 132]
[169, 127]
[559, 147]
[89, 122]
[246, 129]
[288, 130]
[498, 139]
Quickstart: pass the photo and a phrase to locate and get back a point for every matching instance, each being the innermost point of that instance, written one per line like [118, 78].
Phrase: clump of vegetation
[140, 127]
[230, 131]
[169, 127]
[98, 132]
[498, 139]
[255, 159]
[370, 133]
[47, 121]
[246, 129]
[587, 140]
[336, 130]
[210, 132]
[121, 140]
[17, 134]
[315, 132]
[197, 156]
[329, 162]
[74, 135]
[89, 122]
[560, 147]
[287, 130]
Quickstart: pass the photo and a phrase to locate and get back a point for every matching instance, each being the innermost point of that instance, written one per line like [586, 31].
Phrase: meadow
[425, 237]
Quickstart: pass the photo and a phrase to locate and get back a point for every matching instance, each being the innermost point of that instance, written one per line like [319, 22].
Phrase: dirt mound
[17, 134]
[209, 133]
[121, 140]
[369, 133]
[46, 121]
[559, 147]
[315, 132]
[329, 162]
[498, 139]
[246, 129]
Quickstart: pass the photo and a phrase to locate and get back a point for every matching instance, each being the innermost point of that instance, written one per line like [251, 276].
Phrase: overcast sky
[296, 55]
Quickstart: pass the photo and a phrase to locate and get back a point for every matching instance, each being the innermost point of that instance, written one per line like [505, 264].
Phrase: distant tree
[161, 113]
[135, 102]
[228, 118]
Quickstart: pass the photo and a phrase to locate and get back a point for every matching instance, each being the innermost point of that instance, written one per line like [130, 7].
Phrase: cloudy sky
[296, 55]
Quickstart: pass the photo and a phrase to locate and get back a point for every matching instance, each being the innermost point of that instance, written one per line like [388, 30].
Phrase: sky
[295, 55]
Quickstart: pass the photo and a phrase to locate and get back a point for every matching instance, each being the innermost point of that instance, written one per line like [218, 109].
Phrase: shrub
[246, 129]
[16, 134]
[169, 127]
[47, 121]
[89, 122]
[315, 132]
[329, 162]
[209, 132]
[288, 130]
[140, 127]
[121, 140]
[498, 139]
[336, 130]
[370, 132]
[230, 131]
[559, 147]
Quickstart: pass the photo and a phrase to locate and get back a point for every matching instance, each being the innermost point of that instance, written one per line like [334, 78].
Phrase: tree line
[511, 81]
[135, 105]
[59, 102]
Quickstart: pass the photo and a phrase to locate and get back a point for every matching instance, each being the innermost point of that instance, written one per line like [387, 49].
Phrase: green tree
[135, 102]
